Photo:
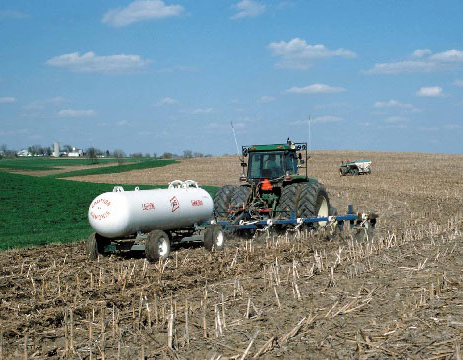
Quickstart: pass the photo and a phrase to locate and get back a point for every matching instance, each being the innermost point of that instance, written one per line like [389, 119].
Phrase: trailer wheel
[354, 171]
[94, 246]
[313, 202]
[157, 246]
[214, 239]
[222, 201]
[240, 196]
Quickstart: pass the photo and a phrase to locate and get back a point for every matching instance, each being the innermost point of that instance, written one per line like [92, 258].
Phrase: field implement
[274, 197]
[355, 168]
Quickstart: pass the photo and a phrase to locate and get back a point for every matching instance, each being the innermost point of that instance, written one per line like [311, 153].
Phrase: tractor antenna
[236, 142]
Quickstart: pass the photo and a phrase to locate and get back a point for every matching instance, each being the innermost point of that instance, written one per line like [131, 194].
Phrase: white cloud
[141, 10]
[297, 54]
[429, 128]
[266, 99]
[200, 111]
[247, 8]
[319, 119]
[394, 104]
[444, 61]
[451, 126]
[432, 91]
[166, 101]
[7, 100]
[458, 83]
[315, 89]
[89, 62]
[421, 52]
[449, 55]
[396, 119]
[72, 113]
[122, 123]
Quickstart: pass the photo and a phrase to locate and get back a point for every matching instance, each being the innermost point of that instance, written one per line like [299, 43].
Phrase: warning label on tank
[196, 202]
[147, 206]
[174, 204]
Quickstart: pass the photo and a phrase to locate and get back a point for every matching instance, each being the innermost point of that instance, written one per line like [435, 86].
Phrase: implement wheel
[157, 246]
[214, 239]
[313, 202]
[222, 201]
[94, 246]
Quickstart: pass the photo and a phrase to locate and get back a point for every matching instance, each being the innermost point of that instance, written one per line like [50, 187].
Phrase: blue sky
[156, 76]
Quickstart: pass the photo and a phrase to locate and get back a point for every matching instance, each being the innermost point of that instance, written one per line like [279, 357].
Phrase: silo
[56, 149]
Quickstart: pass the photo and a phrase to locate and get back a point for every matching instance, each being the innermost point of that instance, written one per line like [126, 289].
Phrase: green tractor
[276, 186]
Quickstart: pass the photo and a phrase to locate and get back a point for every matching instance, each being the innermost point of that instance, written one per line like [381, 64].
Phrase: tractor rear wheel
[240, 196]
[157, 246]
[354, 171]
[94, 246]
[289, 199]
[222, 201]
[343, 171]
[313, 202]
[214, 239]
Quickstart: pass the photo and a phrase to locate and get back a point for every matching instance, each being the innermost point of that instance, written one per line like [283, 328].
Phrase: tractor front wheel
[157, 246]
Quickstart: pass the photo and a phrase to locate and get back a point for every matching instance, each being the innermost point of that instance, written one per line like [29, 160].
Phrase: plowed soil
[398, 294]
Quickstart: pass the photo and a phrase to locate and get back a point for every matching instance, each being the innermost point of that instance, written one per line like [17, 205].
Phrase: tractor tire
[94, 246]
[214, 239]
[222, 201]
[313, 202]
[240, 197]
[157, 246]
[289, 199]
[343, 171]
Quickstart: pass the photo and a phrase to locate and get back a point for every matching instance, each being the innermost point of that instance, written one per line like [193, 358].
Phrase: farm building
[23, 153]
[76, 152]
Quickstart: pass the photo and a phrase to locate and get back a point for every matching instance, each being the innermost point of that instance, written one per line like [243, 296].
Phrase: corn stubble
[397, 294]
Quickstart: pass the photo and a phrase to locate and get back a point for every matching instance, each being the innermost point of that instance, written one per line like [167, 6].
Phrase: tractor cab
[274, 162]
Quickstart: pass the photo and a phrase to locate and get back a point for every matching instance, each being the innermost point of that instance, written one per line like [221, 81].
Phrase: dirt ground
[396, 295]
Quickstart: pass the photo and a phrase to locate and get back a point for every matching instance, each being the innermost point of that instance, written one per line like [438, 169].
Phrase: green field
[145, 164]
[40, 210]
[47, 163]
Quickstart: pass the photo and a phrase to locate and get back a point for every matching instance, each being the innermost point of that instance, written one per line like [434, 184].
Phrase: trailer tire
[240, 196]
[94, 246]
[289, 199]
[222, 201]
[157, 246]
[214, 239]
[313, 202]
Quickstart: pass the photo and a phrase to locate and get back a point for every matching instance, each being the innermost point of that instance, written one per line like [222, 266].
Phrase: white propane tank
[120, 213]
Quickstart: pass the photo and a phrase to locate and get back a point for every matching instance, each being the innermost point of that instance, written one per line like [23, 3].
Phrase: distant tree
[147, 155]
[198, 154]
[107, 153]
[137, 155]
[48, 151]
[167, 155]
[187, 154]
[208, 155]
[155, 155]
[92, 155]
[119, 155]
[68, 148]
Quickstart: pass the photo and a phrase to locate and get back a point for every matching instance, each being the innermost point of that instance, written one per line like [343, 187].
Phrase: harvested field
[398, 294]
